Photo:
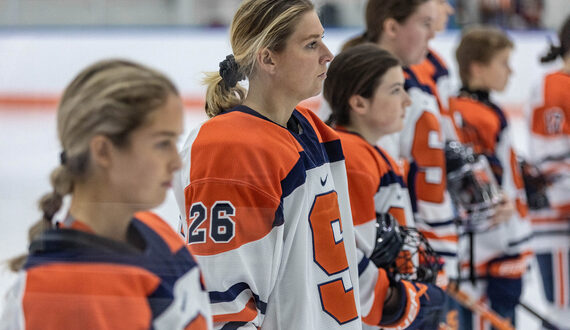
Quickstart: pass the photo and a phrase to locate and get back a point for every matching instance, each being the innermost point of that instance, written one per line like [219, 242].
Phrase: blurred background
[511, 14]
[45, 43]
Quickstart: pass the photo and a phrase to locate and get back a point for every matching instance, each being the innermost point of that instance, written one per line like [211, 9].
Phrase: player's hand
[504, 210]
[420, 304]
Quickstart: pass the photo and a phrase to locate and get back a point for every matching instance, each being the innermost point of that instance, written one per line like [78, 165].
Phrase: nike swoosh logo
[323, 182]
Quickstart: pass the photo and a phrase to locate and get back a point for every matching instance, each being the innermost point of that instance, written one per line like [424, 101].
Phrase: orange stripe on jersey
[245, 315]
[545, 220]
[161, 228]
[399, 214]
[425, 156]
[198, 323]
[561, 279]
[380, 291]
[78, 225]
[80, 296]
[433, 236]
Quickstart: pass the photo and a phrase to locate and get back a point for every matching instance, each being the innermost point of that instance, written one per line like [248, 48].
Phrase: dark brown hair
[564, 48]
[378, 11]
[479, 45]
[355, 71]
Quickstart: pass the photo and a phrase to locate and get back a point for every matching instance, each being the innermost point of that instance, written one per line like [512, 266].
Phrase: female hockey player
[550, 151]
[263, 189]
[500, 253]
[109, 266]
[404, 28]
[365, 90]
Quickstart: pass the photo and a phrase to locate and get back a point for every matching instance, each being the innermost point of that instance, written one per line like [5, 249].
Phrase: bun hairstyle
[257, 24]
[355, 71]
[564, 48]
[111, 98]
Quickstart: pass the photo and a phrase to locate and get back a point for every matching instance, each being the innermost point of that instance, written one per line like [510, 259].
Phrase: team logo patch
[554, 120]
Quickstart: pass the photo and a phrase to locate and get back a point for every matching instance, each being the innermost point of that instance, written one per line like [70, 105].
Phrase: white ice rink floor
[29, 149]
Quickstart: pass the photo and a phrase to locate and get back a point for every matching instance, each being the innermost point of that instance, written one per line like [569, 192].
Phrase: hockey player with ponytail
[109, 265]
[549, 151]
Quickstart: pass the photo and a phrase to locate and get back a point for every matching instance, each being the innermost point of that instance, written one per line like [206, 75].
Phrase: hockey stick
[479, 308]
[545, 323]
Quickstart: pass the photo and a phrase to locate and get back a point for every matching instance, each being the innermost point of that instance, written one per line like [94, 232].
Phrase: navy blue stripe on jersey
[157, 258]
[522, 240]
[362, 265]
[412, 82]
[412, 187]
[445, 253]
[440, 69]
[232, 293]
[496, 167]
[441, 224]
[233, 325]
[545, 264]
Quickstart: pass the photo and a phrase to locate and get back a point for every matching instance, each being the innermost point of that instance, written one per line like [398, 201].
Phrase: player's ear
[358, 104]
[266, 59]
[390, 27]
[100, 148]
[476, 70]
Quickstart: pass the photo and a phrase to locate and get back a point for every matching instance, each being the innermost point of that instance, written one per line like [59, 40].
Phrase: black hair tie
[63, 158]
[229, 71]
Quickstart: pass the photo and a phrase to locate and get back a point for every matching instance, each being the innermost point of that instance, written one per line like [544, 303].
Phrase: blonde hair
[111, 98]
[257, 24]
[479, 45]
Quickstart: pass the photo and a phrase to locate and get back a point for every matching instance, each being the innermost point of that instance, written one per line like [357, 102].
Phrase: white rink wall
[39, 64]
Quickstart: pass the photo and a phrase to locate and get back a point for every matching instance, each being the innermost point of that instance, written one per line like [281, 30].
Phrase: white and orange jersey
[375, 185]
[267, 215]
[550, 150]
[74, 279]
[433, 73]
[421, 143]
[485, 128]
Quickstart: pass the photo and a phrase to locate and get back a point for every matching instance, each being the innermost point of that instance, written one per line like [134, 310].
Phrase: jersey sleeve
[233, 222]
[549, 140]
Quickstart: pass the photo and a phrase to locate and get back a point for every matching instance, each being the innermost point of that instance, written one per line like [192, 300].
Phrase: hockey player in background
[549, 151]
[263, 190]
[404, 28]
[432, 72]
[500, 253]
[105, 266]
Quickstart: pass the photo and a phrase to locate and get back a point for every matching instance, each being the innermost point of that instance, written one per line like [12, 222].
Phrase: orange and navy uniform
[486, 129]
[433, 73]
[77, 280]
[421, 143]
[550, 151]
[375, 186]
[267, 215]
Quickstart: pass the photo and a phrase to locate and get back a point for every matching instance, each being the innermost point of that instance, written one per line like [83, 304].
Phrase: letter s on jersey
[330, 255]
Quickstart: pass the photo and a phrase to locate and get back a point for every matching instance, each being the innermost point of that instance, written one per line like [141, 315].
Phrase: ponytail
[552, 54]
[355, 41]
[219, 96]
[50, 203]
